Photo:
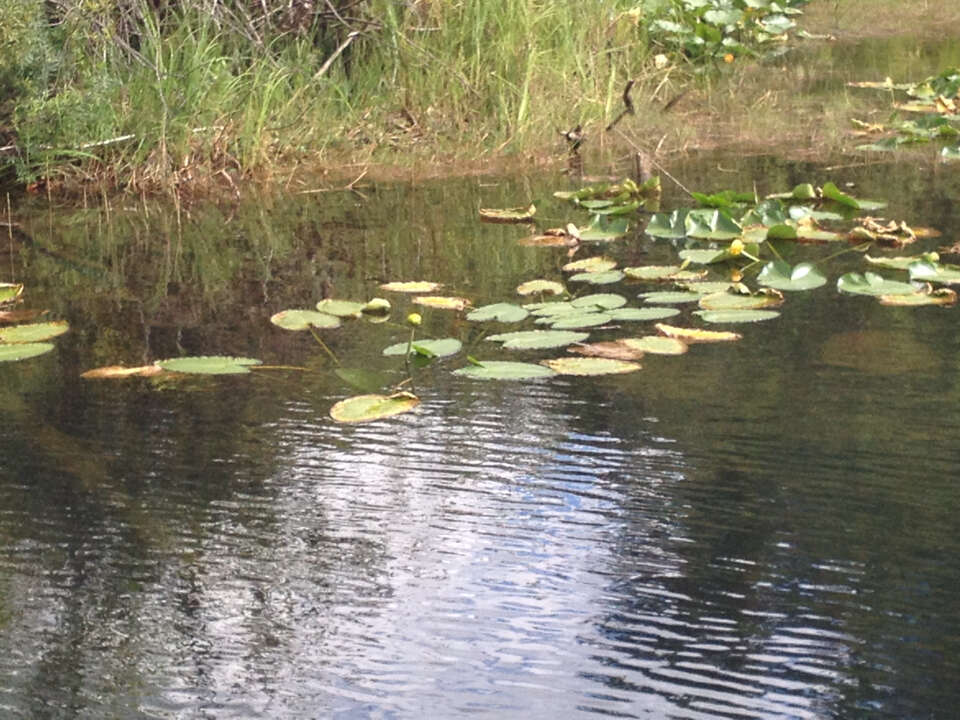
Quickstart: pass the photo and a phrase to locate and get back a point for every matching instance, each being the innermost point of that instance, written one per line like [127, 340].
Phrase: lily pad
[869, 283]
[671, 297]
[671, 226]
[740, 301]
[508, 215]
[444, 347]
[304, 319]
[613, 350]
[531, 287]
[696, 335]
[656, 345]
[550, 309]
[705, 257]
[366, 408]
[598, 278]
[442, 303]
[604, 230]
[604, 301]
[590, 366]
[895, 263]
[940, 296]
[538, 339]
[501, 312]
[33, 332]
[736, 316]
[10, 291]
[341, 308]
[709, 224]
[576, 320]
[642, 314]
[414, 286]
[22, 351]
[597, 263]
[121, 371]
[779, 275]
[209, 365]
[934, 272]
[503, 370]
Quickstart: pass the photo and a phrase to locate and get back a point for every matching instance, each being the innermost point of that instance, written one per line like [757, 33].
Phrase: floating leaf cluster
[22, 340]
[930, 112]
[729, 264]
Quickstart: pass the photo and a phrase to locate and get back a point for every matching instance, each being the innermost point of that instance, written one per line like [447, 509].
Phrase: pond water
[759, 529]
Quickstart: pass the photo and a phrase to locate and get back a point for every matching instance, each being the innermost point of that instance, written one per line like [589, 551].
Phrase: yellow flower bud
[414, 319]
[736, 247]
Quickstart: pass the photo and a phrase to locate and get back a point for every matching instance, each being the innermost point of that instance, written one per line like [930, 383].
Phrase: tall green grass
[144, 98]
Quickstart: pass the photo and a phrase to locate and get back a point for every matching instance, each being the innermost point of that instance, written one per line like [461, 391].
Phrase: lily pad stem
[858, 248]
[327, 350]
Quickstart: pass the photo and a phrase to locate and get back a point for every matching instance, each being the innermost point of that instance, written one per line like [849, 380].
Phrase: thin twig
[655, 163]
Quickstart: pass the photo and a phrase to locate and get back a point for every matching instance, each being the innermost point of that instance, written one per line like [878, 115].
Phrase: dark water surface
[764, 529]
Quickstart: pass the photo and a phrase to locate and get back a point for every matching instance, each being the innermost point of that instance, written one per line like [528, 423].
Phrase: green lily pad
[710, 224]
[736, 316]
[832, 192]
[33, 332]
[341, 308]
[538, 339]
[741, 301]
[501, 312]
[642, 314]
[598, 278]
[656, 345]
[10, 291]
[705, 257]
[444, 347]
[603, 230]
[597, 263]
[618, 209]
[550, 309]
[576, 320]
[670, 226]
[22, 351]
[895, 263]
[503, 370]
[590, 366]
[304, 319]
[604, 301]
[779, 275]
[671, 297]
[869, 283]
[531, 287]
[934, 272]
[365, 408]
[209, 365]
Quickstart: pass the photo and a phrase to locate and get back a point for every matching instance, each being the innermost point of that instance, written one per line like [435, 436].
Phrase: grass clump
[122, 93]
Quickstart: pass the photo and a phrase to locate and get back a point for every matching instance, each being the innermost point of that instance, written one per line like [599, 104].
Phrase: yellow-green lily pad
[22, 351]
[33, 332]
[538, 339]
[598, 278]
[501, 312]
[590, 366]
[736, 316]
[366, 408]
[10, 291]
[603, 301]
[209, 365]
[341, 308]
[304, 319]
[443, 347]
[597, 263]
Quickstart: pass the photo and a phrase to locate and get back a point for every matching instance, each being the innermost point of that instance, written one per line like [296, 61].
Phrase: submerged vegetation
[147, 95]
